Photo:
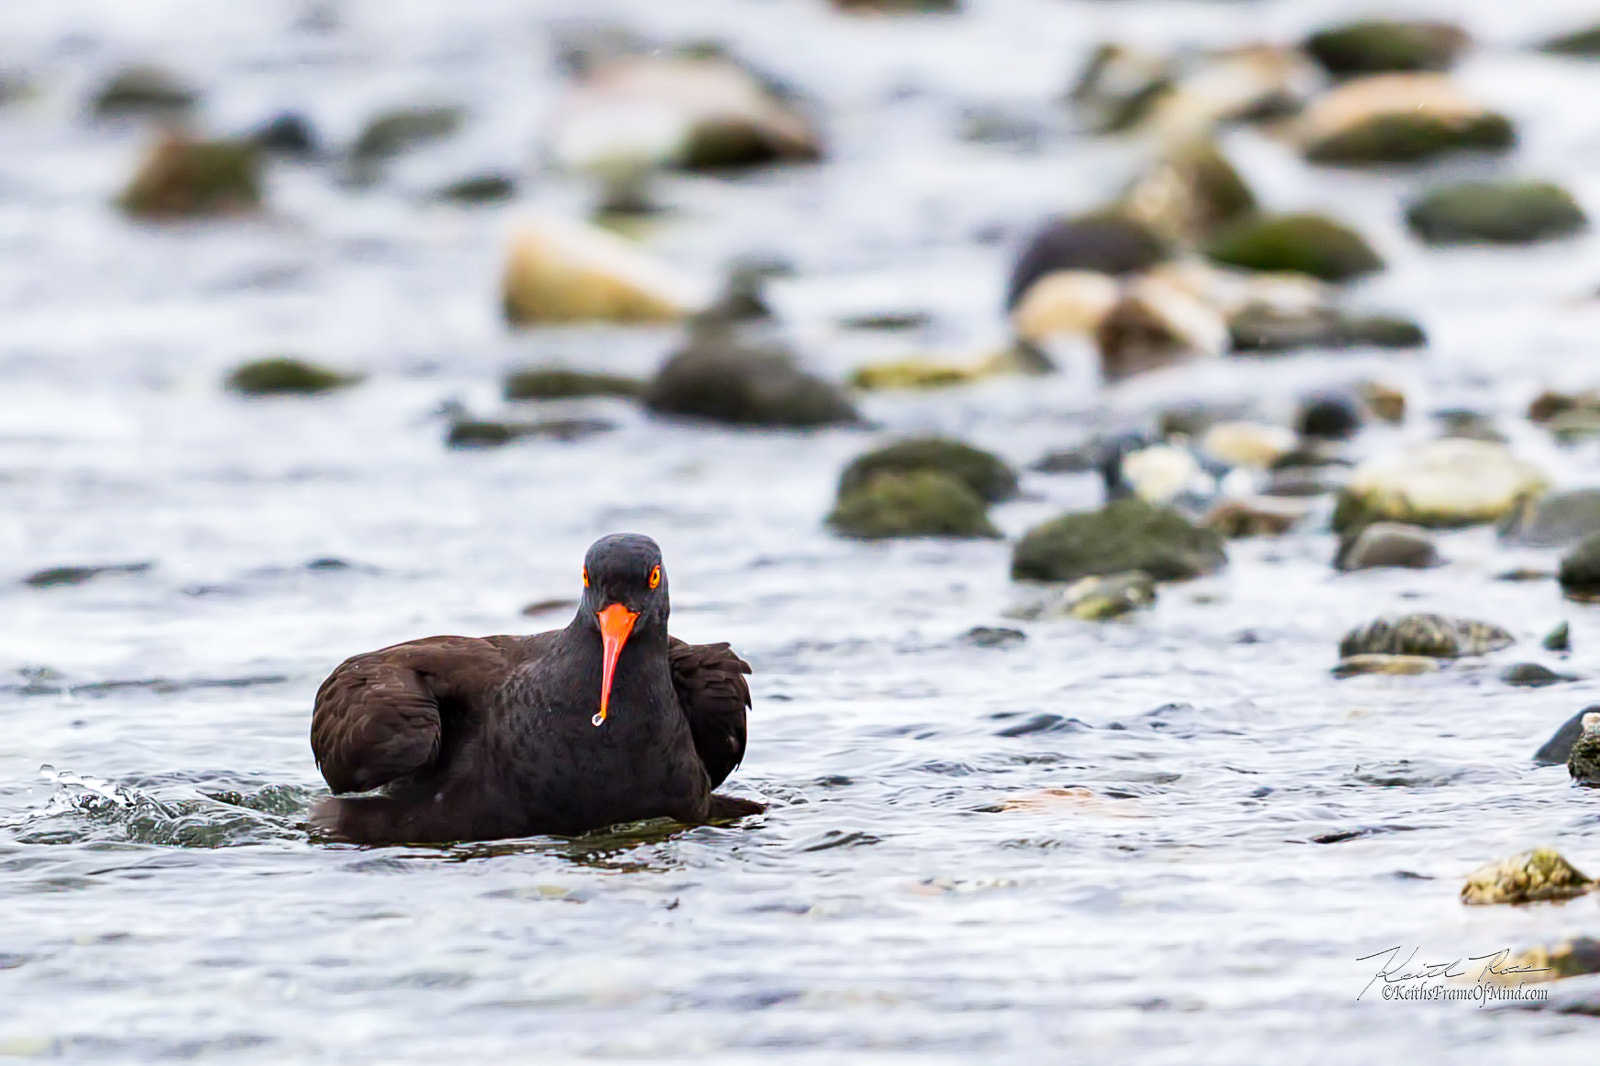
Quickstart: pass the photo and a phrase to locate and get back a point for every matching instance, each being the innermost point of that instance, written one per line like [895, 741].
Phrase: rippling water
[1169, 837]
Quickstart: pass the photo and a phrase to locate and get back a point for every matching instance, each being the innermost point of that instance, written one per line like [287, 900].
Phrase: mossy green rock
[466, 432]
[984, 473]
[911, 503]
[393, 132]
[1398, 137]
[182, 178]
[1124, 535]
[284, 376]
[1308, 244]
[144, 89]
[1578, 43]
[1510, 212]
[1264, 329]
[559, 383]
[1375, 46]
[1540, 874]
[480, 189]
[1580, 569]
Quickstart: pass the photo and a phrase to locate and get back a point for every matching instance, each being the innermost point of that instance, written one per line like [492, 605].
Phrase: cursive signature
[1393, 970]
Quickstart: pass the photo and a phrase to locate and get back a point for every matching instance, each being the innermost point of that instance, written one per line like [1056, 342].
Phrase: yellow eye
[655, 577]
[586, 577]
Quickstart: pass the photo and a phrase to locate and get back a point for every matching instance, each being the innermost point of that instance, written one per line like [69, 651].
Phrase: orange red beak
[616, 622]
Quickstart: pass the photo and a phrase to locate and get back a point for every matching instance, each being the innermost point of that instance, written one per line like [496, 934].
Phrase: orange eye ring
[586, 577]
[655, 578]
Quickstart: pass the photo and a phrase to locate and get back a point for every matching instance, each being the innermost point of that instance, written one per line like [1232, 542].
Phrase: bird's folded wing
[383, 715]
[712, 690]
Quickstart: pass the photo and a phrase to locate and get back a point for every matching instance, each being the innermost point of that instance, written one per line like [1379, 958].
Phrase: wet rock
[1102, 242]
[1156, 324]
[58, 576]
[1387, 544]
[912, 503]
[1558, 748]
[1580, 570]
[1569, 958]
[1124, 535]
[1308, 244]
[288, 134]
[1159, 474]
[1569, 418]
[1431, 635]
[1388, 403]
[1261, 328]
[1532, 675]
[550, 606]
[1328, 418]
[636, 113]
[1118, 87]
[1583, 761]
[984, 473]
[560, 383]
[1585, 42]
[1300, 482]
[1399, 118]
[1254, 445]
[1554, 520]
[1541, 874]
[393, 132]
[1191, 192]
[1210, 88]
[1089, 599]
[479, 189]
[484, 433]
[888, 321]
[922, 373]
[1064, 303]
[899, 7]
[283, 375]
[1377, 46]
[1440, 484]
[1469, 424]
[1390, 665]
[993, 636]
[720, 377]
[1525, 573]
[1260, 516]
[561, 270]
[181, 178]
[144, 90]
[1558, 639]
[1496, 212]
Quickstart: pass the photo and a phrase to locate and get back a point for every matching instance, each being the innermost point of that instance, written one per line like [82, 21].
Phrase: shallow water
[1184, 868]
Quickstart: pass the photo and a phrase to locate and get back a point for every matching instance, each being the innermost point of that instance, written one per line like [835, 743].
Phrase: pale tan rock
[1443, 483]
[561, 270]
[1541, 874]
[1064, 303]
[1160, 473]
[1250, 444]
[1232, 84]
[1355, 102]
[1376, 663]
[1156, 324]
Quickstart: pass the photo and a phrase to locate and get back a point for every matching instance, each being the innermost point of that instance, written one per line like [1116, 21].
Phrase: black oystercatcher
[608, 720]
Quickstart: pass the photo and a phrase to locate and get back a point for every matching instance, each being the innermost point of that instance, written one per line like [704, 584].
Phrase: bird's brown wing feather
[384, 715]
[714, 696]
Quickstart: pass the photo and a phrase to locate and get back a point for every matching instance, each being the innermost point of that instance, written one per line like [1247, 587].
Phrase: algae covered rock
[60, 576]
[479, 189]
[1307, 244]
[1431, 635]
[1102, 242]
[1399, 118]
[911, 503]
[1385, 665]
[1508, 212]
[183, 178]
[561, 270]
[1541, 874]
[1440, 484]
[1583, 761]
[1558, 749]
[284, 375]
[468, 432]
[1262, 329]
[1580, 570]
[393, 132]
[144, 90]
[1376, 46]
[1089, 599]
[1585, 42]
[560, 383]
[720, 377]
[1124, 535]
[984, 473]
